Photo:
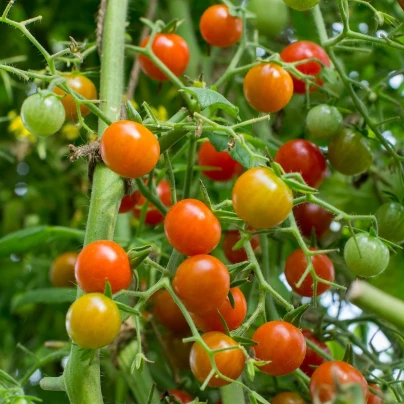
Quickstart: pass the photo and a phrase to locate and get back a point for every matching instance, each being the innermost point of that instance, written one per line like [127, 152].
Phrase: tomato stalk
[231, 394]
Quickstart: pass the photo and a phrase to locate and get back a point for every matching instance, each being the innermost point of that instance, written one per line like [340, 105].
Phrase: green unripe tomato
[390, 218]
[301, 5]
[272, 16]
[373, 258]
[43, 113]
[324, 121]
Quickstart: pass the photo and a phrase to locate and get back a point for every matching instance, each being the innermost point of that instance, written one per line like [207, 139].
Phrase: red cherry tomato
[312, 358]
[230, 363]
[231, 238]
[281, 343]
[62, 270]
[304, 157]
[288, 397]
[202, 282]
[310, 216]
[211, 320]
[128, 202]
[303, 50]
[296, 265]
[373, 398]
[219, 28]
[323, 382]
[100, 261]
[172, 50]
[181, 396]
[192, 228]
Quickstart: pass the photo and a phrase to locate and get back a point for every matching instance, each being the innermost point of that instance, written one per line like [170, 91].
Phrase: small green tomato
[324, 122]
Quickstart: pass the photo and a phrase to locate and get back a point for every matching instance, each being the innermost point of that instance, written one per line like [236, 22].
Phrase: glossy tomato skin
[390, 220]
[227, 167]
[268, 87]
[93, 321]
[261, 198]
[296, 265]
[81, 85]
[100, 261]
[311, 217]
[286, 355]
[304, 157]
[324, 121]
[302, 50]
[373, 398]
[128, 202]
[192, 228]
[172, 50]
[202, 282]
[288, 397]
[312, 358]
[182, 396]
[62, 270]
[230, 363]
[230, 239]
[211, 321]
[322, 384]
[129, 149]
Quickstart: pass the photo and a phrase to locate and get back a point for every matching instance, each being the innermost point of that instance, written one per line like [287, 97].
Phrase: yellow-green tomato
[93, 321]
[301, 5]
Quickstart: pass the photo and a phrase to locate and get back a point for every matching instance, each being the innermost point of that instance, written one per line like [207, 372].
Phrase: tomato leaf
[226, 327]
[231, 298]
[244, 341]
[133, 115]
[138, 254]
[294, 317]
[349, 356]
[108, 289]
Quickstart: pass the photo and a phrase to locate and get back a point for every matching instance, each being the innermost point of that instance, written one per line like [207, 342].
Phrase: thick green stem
[233, 393]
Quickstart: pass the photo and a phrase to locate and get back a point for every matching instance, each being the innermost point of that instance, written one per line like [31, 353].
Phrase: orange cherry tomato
[230, 363]
[181, 396]
[312, 358]
[129, 149]
[128, 202]
[192, 228]
[288, 397]
[373, 398]
[312, 217]
[268, 87]
[62, 270]
[230, 239]
[172, 50]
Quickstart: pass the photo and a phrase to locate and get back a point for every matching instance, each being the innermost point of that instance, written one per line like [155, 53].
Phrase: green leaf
[138, 254]
[244, 341]
[231, 298]
[44, 296]
[108, 290]
[133, 115]
[294, 317]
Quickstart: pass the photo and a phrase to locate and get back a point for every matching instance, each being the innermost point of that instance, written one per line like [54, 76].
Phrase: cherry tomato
[211, 321]
[304, 157]
[42, 113]
[126, 142]
[324, 121]
[310, 216]
[227, 168]
[192, 228]
[230, 363]
[288, 397]
[202, 282]
[172, 50]
[401, 3]
[349, 153]
[128, 202]
[100, 261]
[301, 5]
[372, 257]
[312, 358]
[373, 398]
[281, 343]
[303, 50]
[390, 218]
[81, 85]
[62, 270]
[153, 215]
[229, 241]
[268, 87]
[181, 396]
[295, 267]
[93, 321]
[323, 382]
[261, 198]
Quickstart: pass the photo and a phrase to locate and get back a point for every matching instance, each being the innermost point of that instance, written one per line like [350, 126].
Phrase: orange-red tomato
[288, 397]
[227, 168]
[230, 239]
[296, 265]
[102, 261]
[211, 320]
[312, 358]
[62, 270]
[373, 398]
[281, 343]
[230, 363]
[202, 282]
[192, 228]
[219, 28]
[311, 217]
[268, 87]
[181, 396]
[81, 85]
[129, 149]
[172, 50]
[128, 202]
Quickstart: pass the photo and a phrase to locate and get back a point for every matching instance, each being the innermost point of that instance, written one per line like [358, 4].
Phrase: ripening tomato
[390, 220]
[230, 363]
[128, 202]
[102, 261]
[303, 50]
[268, 87]
[296, 265]
[81, 85]
[324, 121]
[234, 317]
[227, 167]
[288, 397]
[312, 217]
[301, 5]
[93, 321]
[373, 398]
[312, 358]
[230, 239]
[281, 343]
[401, 3]
[304, 157]
[261, 198]
[62, 270]
[202, 282]
[181, 396]
[323, 382]
[172, 50]
[219, 28]
[192, 228]
[129, 149]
